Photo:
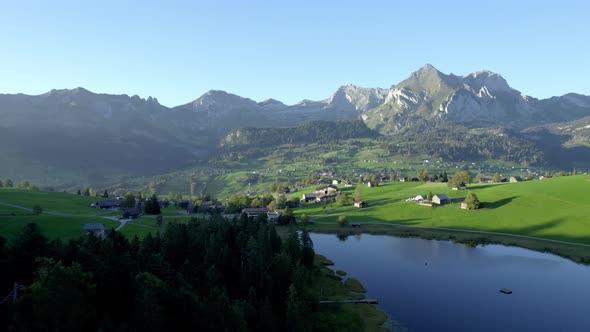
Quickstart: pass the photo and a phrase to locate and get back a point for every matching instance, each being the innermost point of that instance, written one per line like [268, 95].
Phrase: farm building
[326, 190]
[360, 204]
[254, 212]
[325, 198]
[108, 204]
[440, 199]
[273, 216]
[96, 229]
[132, 213]
[309, 197]
[462, 186]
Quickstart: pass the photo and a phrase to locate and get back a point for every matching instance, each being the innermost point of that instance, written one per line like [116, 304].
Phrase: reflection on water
[428, 285]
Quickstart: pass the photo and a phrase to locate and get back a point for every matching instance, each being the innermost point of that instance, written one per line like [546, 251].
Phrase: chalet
[108, 205]
[360, 204]
[326, 190]
[132, 213]
[385, 179]
[515, 179]
[95, 228]
[273, 216]
[254, 212]
[309, 197]
[440, 199]
[322, 199]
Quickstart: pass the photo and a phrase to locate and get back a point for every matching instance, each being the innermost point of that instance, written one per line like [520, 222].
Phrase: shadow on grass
[498, 203]
[533, 229]
[476, 187]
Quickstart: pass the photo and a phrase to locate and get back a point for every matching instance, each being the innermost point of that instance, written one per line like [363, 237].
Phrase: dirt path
[31, 210]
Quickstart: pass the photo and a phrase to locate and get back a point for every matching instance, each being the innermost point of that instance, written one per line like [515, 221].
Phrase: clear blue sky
[288, 50]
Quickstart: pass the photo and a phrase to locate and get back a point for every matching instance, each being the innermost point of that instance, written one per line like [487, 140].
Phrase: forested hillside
[311, 132]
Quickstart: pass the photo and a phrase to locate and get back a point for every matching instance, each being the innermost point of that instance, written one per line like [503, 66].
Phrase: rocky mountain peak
[491, 81]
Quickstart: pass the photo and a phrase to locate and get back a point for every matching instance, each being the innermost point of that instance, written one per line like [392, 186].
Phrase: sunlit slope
[551, 208]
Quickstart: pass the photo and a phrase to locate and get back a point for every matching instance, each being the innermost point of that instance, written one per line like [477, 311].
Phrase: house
[414, 179]
[309, 197]
[503, 180]
[95, 228]
[385, 179]
[419, 198]
[348, 184]
[370, 185]
[515, 179]
[464, 206]
[335, 182]
[440, 199]
[108, 205]
[326, 190]
[322, 199]
[254, 212]
[360, 204]
[401, 179]
[132, 213]
[273, 216]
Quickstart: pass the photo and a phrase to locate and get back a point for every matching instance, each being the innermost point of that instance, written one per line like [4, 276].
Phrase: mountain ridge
[112, 130]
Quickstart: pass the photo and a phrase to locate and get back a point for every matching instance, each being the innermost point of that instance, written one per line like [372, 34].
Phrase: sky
[287, 50]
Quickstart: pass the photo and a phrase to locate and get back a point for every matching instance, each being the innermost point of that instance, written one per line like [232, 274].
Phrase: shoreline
[578, 253]
[333, 286]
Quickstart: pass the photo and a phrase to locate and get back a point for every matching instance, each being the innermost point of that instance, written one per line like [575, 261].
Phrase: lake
[430, 285]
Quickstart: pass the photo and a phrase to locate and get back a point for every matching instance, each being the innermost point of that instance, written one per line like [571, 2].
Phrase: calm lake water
[429, 285]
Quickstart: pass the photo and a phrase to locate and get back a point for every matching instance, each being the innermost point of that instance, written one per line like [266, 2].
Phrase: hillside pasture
[551, 208]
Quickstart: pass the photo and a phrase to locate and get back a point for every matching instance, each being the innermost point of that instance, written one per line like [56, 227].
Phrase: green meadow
[554, 208]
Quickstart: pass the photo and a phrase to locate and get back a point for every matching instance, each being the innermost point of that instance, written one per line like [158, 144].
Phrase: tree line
[207, 275]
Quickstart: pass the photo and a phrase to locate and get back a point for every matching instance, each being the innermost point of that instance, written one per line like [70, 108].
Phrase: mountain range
[76, 135]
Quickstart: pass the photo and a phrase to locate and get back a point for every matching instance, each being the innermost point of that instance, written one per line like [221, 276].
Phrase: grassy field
[49, 201]
[53, 227]
[343, 317]
[71, 213]
[551, 208]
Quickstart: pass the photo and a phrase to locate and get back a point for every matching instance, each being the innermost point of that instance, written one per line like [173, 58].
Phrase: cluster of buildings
[322, 194]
